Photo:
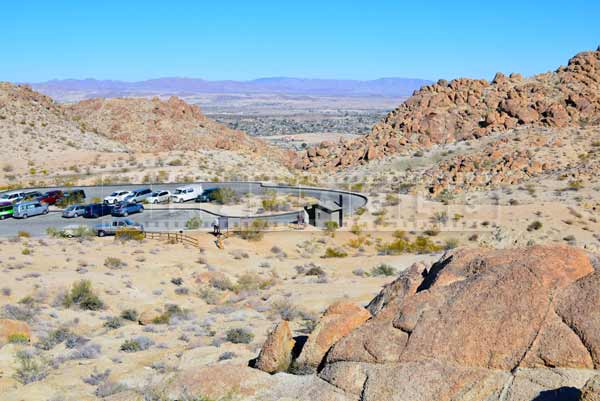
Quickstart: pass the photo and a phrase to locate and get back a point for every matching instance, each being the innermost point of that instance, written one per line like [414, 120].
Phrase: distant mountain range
[87, 88]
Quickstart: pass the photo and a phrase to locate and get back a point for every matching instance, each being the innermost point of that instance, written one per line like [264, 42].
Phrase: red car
[51, 197]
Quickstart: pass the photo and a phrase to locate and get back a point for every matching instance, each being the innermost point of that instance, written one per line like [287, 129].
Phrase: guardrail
[176, 237]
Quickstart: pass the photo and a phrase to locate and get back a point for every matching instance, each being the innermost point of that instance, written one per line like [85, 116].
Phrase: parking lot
[169, 217]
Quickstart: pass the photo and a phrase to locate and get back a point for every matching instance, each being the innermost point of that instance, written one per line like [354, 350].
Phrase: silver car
[28, 209]
[74, 211]
[138, 195]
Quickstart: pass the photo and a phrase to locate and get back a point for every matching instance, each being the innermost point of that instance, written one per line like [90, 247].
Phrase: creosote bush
[335, 253]
[404, 245]
[82, 295]
[239, 336]
[383, 269]
[130, 314]
[31, 366]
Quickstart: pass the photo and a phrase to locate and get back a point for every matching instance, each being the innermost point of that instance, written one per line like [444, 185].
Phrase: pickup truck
[111, 227]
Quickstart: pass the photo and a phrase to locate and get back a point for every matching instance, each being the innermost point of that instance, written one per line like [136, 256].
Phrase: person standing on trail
[216, 226]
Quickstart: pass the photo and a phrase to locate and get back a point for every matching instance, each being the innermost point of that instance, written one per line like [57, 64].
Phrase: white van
[184, 194]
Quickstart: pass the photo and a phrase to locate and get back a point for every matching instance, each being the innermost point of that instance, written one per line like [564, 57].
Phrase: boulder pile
[463, 109]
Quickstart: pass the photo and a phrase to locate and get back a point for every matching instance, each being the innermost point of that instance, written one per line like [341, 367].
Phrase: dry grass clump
[82, 295]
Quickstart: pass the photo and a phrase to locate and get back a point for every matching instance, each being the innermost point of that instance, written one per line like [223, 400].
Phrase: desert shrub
[129, 234]
[129, 314]
[81, 294]
[26, 251]
[392, 200]
[53, 338]
[403, 245]
[114, 263]
[383, 269]
[182, 290]
[209, 295]
[225, 196]
[331, 227]
[222, 283]
[534, 226]
[18, 312]
[239, 336]
[96, 377]
[139, 343]
[272, 204]
[285, 309]
[356, 229]
[18, 338]
[108, 388]
[177, 281]
[254, 232]
[31, 367]
[193, 223]
[432, 232]
[451, 243]
[315, 271]
[575, 185]
[23, 234]
[113, 322]
[440, 218]
[360, 211]
[251, 282]
[335, 253]
[171, 311]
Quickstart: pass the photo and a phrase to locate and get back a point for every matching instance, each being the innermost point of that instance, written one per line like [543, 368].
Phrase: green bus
[6, 210]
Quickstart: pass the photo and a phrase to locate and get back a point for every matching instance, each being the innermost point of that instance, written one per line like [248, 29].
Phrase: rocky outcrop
[276, 354]
[337, 321]
[153, 125]
[479, 324]
[10, 328]
[462, 109]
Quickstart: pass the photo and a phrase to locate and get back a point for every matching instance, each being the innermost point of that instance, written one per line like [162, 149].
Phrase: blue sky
[134, 40]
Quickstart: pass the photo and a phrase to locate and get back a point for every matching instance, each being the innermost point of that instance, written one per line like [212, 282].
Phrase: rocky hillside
[151, 125]
[463, 109]
[33, 123]
[478, 324]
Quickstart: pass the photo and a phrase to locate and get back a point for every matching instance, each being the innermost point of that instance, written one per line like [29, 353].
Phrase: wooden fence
[176, 237]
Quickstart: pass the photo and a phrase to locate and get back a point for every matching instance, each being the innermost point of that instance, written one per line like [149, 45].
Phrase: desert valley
[443, 245]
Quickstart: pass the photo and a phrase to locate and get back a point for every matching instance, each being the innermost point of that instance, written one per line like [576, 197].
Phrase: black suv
[96, 210]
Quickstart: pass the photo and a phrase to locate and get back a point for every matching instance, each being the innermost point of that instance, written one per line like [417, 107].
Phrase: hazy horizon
[136, 41]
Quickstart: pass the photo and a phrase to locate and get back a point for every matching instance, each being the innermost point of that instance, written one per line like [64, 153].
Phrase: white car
[13, 197]
[184, 194]
[159, 197]
[117, 196]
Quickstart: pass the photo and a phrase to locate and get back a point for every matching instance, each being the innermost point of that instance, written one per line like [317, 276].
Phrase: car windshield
[179, 191]
[70, 208]
[114, 194]
[154, 194]
[128, 222]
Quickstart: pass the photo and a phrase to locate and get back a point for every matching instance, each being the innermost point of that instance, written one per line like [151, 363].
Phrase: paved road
[173, 219]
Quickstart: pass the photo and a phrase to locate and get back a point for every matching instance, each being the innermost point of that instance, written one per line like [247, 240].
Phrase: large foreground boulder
[479, 324]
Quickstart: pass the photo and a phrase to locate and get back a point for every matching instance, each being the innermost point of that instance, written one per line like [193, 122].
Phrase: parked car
[74, 211]
[159, 197]
[117, 196]
[96, 210]
[111, 227]
[184, 194]
[27, 209]
[51, 197]
[6, 210]
[124, 209]
[13, 196]
[207, 195]
[32, 195]
[138, 195]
